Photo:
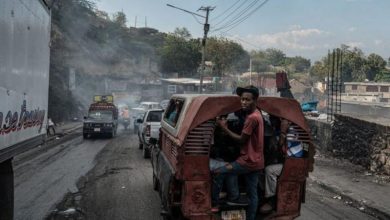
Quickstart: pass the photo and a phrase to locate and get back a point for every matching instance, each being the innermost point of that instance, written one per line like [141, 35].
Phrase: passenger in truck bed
[251, 159]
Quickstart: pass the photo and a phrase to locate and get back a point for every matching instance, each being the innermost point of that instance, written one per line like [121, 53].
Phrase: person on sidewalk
[251, 159]
[286, 147]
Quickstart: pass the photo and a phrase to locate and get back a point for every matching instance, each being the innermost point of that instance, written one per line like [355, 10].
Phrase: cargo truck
[24, 84]
[102, 117]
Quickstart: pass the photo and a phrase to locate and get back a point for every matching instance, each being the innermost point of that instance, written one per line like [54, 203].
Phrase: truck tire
[6, 190]
[155, 183]
[85, 135]
[145, 152]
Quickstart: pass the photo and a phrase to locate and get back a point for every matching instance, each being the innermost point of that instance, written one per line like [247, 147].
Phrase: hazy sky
[305, 28]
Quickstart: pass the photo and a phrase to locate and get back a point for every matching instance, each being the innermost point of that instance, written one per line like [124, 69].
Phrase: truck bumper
[101, 130]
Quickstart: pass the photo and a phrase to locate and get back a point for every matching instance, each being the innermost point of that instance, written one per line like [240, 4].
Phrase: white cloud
[355, 44]
[378, 42]
[351, 29]
[295, 38]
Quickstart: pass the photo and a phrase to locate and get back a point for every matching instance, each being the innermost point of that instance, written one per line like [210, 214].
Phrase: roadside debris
[337, 197]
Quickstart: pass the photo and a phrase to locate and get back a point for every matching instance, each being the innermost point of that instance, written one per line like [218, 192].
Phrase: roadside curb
[367, 209]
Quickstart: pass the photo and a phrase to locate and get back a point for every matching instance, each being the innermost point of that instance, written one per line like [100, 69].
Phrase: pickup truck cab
[149, 127]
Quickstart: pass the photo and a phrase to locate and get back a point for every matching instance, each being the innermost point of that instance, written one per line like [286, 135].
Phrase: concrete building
[366, 98]
[367, 92]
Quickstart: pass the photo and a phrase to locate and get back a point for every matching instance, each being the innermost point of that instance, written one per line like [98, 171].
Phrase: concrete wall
[374, 110]
[360, 141]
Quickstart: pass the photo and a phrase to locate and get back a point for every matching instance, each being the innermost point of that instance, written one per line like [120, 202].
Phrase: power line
[230, 13]
[196, 19]
[233, 25]
[222, 34]
[218, 16]
[237, 16]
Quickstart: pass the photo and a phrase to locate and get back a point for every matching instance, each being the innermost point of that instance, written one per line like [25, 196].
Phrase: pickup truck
[149, 127]
[139, 112]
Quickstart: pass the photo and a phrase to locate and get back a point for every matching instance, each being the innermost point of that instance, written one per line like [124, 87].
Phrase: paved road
[45, 177]
[109, 179]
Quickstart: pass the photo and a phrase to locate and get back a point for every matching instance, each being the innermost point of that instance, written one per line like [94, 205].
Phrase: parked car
[149, 127]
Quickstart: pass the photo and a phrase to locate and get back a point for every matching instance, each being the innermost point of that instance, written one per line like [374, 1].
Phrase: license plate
[96, 129]
[233, 215]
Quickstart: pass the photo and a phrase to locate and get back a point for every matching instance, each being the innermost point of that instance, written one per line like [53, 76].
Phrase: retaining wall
[360, 141]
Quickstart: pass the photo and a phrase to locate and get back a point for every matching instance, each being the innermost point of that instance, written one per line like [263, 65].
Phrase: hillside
[88, 47]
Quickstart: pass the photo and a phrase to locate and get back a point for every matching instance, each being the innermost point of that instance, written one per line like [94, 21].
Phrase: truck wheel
[111, 135]
[140, 145]
[155, 183]
[6, 190]
[145, 152]
[85, 136]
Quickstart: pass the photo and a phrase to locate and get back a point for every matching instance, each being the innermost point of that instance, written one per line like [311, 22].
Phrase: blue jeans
[251, 180]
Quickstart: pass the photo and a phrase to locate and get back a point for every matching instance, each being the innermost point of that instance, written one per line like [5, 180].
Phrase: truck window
[154, 116]
[174, 109]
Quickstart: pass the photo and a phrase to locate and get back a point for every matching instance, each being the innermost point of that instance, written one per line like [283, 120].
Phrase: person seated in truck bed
[285, 148]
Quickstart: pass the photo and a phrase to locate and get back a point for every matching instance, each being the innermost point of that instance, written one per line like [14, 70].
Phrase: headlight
[86, 125]
[109, 125]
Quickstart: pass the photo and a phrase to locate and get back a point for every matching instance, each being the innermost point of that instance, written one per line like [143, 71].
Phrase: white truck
[149, 128]
[24, 84]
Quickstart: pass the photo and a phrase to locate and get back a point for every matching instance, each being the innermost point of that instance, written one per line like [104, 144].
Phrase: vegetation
[355, 67]
[98, 46]
[267, 60]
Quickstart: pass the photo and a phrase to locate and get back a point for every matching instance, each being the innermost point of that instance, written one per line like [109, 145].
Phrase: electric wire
[224, 12]
[233, 25]
[243, 3]
[236, 16]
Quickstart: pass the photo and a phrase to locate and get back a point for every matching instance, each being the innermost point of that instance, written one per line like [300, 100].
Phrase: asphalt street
[109, 179]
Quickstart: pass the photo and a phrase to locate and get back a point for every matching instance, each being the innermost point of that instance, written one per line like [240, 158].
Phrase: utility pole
[250, 71]
[206, 28]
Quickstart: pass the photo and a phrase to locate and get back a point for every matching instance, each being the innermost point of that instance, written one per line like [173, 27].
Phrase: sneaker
[238, 202]
[215, 207]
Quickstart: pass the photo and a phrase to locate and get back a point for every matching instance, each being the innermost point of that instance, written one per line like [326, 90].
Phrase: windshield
[100, 115]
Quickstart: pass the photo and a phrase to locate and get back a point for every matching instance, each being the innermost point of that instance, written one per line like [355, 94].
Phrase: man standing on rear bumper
[251, 159]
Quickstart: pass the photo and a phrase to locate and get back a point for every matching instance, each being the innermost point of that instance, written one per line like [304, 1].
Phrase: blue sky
[305, 28]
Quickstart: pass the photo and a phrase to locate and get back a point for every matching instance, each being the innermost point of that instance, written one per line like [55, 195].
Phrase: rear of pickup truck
[150, 128]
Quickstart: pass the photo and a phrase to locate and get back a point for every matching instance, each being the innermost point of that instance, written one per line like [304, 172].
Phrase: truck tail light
[147, 130]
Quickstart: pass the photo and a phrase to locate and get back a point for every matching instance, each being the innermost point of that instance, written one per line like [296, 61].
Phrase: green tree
[275, 57]
[319, 71]
[226, 56]
[260, 61]
[179, 54]
[182, 33]
[120, 18]
[297, 64]
[375, 64]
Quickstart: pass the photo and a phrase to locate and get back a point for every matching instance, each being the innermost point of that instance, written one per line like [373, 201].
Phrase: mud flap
[6, 190]
[165, 175]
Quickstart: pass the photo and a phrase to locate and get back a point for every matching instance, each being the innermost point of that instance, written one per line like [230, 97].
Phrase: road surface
[108, 179]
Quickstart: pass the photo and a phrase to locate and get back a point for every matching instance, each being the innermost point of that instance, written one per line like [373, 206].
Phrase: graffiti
[15, 121]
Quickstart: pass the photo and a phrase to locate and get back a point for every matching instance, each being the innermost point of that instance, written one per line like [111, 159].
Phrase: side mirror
[153, 141]
[85, 117]
[139, 121]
